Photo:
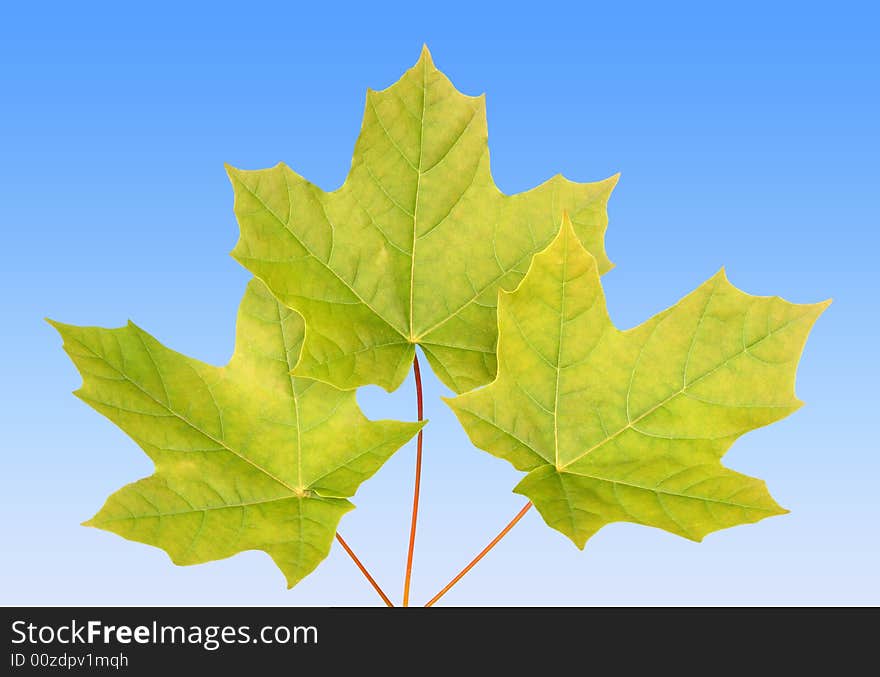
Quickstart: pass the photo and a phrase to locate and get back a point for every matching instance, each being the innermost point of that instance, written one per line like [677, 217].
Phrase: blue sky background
[746, 134]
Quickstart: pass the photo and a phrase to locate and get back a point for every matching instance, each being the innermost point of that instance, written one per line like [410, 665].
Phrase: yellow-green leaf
[413, 247]
[246, 456]
[630, 426]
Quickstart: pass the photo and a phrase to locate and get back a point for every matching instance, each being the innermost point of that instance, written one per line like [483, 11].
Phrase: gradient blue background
[746, 134]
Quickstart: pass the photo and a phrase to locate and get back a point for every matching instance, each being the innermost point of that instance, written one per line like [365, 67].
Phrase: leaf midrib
[415, 216]
[193, 509]
[631, 423]
[557, 366]
[293, 394]
[658, 490]
[221, 443]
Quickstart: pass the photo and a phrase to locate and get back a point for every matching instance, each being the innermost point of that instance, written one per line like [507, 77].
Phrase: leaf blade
[413, 247]
[246, 456]
[631, 425]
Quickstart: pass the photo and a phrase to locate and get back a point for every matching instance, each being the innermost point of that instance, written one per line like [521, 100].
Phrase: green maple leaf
[413, 247]
[246, 456]
[631, 426]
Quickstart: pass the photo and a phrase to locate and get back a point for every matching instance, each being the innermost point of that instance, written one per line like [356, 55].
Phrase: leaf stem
[482, 554]
[363, 569]
[416, 489]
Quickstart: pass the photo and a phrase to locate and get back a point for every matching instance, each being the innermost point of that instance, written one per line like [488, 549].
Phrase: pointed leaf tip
[232, 173]
[567, 234]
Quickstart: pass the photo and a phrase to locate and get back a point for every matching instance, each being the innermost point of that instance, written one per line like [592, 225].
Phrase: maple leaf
[246, 456]
[413, 247]
[631, 426]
